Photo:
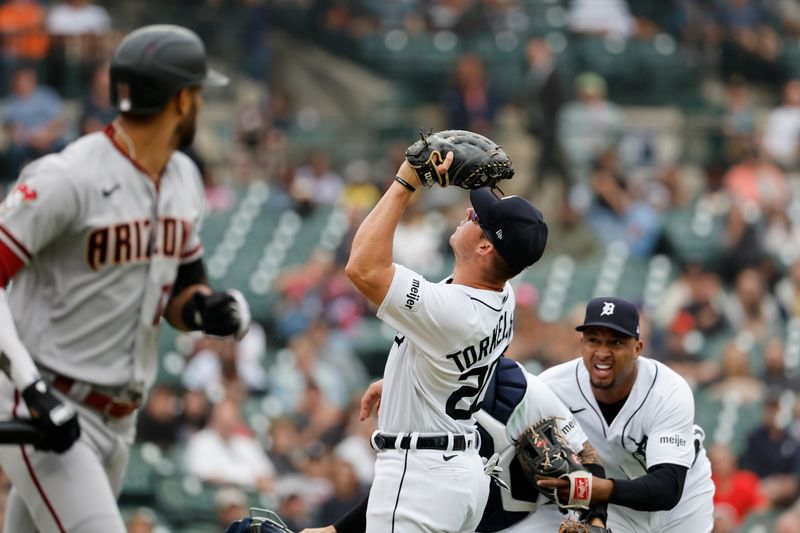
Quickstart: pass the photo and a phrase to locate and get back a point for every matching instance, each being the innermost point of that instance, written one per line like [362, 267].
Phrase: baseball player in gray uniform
[428, 474]
[639, 415]
[101, 241]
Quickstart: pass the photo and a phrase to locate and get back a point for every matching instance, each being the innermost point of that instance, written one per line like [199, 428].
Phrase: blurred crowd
[275, 416]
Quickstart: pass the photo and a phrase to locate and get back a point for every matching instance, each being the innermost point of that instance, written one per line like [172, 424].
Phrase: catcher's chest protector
[503, 394]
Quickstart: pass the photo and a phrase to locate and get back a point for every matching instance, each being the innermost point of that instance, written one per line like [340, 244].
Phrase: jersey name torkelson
[468, 356]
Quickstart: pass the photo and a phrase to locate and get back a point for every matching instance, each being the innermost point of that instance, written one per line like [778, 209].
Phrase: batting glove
[57, 421]
[220, 313]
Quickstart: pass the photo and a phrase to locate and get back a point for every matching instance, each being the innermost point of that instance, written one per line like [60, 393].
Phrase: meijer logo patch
[413, 295]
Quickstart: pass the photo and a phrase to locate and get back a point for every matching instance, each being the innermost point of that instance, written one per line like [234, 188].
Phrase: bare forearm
[372, 244]
[370, 264]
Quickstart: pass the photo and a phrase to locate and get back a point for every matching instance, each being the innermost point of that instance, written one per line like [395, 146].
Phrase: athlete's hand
[57, 422]
[408, 173]
[221, 313]
[371, 398]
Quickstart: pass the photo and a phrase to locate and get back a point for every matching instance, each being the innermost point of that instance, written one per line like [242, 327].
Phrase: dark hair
[501, 271]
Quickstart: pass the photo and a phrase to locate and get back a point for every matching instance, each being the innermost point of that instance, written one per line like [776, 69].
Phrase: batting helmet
[153, 63]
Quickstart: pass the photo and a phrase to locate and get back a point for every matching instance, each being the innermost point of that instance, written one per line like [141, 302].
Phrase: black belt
[423, 443]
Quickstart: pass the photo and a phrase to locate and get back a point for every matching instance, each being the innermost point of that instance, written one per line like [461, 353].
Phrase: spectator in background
[742, 245]
[347, 492]
[773, 454]
[750, 47]
[725, 519]
[34, 120]
[588, 127]
[159, 421]
[735, 488]
[218, 361]
[752, 308]
[738, 119]
[142, 520]
[775, 375]
[23, 37]
[529, 338]
[316, 183]
[255, 39]
[471, 103]
[787, 290]
[78, 29]
[756, 181]
[570, 234]
[544, 95]
[355, 447]
[618, 213]
[96, 110]
[789, 520]
[601, 17]
[283, 445]
[195, 414]
[736, 378]
[225, 452]
[317, 418]
[297, 366]
[782, 129]
[697, 287]
[231, 504]
[77, 18]
[789, 13]
[294, 510]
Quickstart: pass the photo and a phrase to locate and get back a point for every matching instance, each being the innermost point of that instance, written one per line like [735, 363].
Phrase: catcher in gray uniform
[101, 241]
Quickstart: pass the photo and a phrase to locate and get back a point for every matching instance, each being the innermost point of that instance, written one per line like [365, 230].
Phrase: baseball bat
[21, 431]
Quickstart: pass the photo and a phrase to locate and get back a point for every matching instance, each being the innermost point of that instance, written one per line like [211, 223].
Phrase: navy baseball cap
[613, 313]
[513, 225]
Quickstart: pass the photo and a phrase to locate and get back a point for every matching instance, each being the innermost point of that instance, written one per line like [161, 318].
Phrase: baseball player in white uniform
[101, 241]
[639, 415]
[515, 400]
[428, 474]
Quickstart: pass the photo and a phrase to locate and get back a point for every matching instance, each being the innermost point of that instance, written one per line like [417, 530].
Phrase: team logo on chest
[131, 242]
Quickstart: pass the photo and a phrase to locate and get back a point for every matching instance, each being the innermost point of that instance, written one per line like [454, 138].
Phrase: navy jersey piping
[578, 382]
[622, 435]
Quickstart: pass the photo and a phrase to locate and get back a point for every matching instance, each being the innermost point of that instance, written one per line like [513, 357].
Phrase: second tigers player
[639, 416]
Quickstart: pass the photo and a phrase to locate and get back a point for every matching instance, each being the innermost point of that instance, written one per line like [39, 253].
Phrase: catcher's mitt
[259, 521]
[543, 452]
[579, 526]
[477, 161]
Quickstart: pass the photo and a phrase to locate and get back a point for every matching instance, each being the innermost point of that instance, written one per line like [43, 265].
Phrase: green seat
[185, 500]
[706, 414]
[137, 487]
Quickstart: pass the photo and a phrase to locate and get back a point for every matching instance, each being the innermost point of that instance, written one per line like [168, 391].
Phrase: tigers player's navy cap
[513, 225]
[613, 313]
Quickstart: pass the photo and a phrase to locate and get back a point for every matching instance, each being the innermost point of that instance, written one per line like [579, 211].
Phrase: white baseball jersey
[100, 246]
[654, 426]
[450, 337]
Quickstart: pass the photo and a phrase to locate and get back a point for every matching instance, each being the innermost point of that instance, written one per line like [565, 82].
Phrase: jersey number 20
[468, 391]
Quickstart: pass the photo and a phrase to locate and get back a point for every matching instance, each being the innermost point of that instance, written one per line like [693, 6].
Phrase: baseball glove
[579, 526]
[477, 161]
[543, 452]
[259, 521]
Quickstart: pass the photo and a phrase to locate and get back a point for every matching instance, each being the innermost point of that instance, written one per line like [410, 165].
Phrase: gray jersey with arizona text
[101, 245]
